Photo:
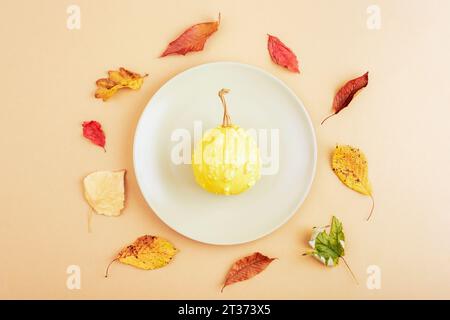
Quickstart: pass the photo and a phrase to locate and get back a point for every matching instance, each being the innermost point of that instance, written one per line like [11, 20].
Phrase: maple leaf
[328, 248]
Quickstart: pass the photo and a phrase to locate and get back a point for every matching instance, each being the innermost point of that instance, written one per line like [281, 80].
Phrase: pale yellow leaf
[105, 191]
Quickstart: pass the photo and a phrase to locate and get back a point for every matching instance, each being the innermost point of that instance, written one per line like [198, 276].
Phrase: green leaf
[328, 247]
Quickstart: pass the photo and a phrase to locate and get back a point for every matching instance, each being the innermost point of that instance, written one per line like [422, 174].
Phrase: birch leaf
[105, 191]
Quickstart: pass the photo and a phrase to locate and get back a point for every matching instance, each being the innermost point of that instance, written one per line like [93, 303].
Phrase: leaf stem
[348, 267]
[326, 118]
[89, 219]
[371, 210]
[109, 265]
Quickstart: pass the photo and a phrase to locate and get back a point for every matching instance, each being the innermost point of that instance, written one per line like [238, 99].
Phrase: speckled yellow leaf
[350, 165]
[105, 191]
[147, 252]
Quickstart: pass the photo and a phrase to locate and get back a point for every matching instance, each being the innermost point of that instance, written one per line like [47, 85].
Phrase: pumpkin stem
[226, 121]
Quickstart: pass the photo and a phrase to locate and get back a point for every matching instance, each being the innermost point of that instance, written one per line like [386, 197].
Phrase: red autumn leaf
[247, 268]
[92, 130]
[193, 39]
[345, 94]
[281, 54]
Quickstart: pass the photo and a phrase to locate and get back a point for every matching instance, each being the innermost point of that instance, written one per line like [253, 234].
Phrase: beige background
[401, 121]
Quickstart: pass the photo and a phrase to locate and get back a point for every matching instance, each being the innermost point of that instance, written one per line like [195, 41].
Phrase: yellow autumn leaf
[127, 78]
[105, 90]
[105, 191]
[147, 252]
[122, 78]
[350, 165]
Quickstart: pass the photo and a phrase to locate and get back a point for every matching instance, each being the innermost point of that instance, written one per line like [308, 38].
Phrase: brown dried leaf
[345, 94]
[247, 268]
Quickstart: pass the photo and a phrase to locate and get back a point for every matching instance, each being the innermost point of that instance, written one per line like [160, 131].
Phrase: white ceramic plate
[257, 100]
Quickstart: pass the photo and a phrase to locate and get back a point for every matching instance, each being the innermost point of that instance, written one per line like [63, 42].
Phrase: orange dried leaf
[105, 83]
[193, 39]
[123, 78]
[247, 268]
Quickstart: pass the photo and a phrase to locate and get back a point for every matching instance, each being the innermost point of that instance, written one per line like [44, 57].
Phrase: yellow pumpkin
[226, 161]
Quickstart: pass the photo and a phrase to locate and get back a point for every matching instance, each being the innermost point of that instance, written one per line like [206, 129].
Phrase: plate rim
[289, 90]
